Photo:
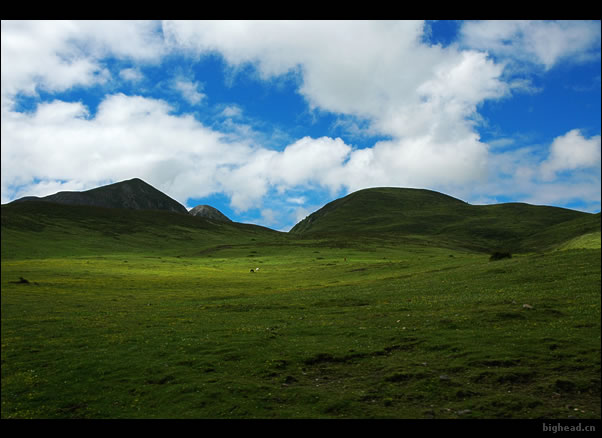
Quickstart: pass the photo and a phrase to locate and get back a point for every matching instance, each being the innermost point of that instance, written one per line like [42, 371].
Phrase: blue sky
[268, 121]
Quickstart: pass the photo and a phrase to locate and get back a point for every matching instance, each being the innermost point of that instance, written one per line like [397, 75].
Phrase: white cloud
[565, 171]
[189, 90]
[269, 216]
[339, 71]
[131, 74]
[136, 136]
[501, 143]
[129, 136]
[307, 161]
[57, 55]
[570, 152]
[541, 42]
[232, 111]
[415, 162]
[300, 200]
[425, 97]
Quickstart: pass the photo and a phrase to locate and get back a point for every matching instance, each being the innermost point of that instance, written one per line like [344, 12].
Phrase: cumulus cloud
[362, 68]
[564, 171]
[541, 42]
[232, 111]
[128, 136]
[425, 97]
[137, 136]
[189, 90]
[131, 74]
[57, 55]
[309, 160]
[570, 152]
[419, 162]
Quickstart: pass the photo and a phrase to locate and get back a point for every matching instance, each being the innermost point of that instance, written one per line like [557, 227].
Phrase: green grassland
[157, 315]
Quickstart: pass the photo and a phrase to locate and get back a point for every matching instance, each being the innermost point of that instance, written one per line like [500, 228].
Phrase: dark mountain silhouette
[131, 194]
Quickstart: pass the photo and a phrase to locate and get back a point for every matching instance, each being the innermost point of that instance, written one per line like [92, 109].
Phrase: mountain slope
[131, 194]
[446, 221]
[582, 232]
[42, 229]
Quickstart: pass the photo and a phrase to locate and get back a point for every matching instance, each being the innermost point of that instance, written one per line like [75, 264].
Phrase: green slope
[581, 232]
[383, 210]
[392, 215]
[585, 241]
[36, 229]
[446, 221]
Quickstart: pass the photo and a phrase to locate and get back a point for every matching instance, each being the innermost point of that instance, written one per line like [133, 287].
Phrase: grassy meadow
[165, 320]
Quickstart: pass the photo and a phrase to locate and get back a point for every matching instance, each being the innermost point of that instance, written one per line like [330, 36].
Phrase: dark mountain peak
[133, 194]
[209, 212]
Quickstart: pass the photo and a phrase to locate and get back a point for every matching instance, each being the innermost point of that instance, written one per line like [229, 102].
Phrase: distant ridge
[132, 194]
[209, 212]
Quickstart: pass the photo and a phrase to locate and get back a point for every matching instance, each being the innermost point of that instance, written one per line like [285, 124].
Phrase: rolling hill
[134, 214]
[443, 220]
[41, 228]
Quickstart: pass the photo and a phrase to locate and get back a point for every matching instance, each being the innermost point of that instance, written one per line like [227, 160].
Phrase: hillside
[443, 220]
[133, 214]
[37, 229]
[131, 194]
[383, 210]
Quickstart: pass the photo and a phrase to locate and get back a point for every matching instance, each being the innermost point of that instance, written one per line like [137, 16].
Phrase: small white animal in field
[256, 269]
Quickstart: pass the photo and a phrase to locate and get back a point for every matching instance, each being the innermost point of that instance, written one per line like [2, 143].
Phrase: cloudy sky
[268, 121]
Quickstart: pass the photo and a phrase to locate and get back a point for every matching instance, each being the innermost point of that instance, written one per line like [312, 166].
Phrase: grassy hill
[36, 229]
[443, 220]
[120, 313]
